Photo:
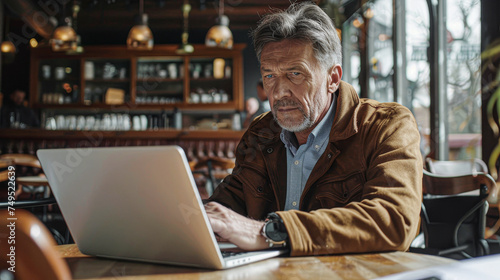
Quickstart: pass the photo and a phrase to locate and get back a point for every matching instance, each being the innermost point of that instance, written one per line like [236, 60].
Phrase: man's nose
[281, 88]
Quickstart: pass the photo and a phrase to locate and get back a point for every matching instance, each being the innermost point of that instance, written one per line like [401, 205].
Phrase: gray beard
[305, 124]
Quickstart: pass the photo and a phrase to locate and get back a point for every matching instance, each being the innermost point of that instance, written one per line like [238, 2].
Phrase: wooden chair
[35, 253]
[36, 186]
[456, 167]
[30, 184]
[453, 214]
[214, 169]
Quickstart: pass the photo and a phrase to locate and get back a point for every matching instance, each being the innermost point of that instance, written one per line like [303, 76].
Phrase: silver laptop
[137, 203]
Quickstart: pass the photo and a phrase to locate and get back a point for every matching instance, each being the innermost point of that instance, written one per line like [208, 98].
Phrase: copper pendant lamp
[220, 35]
[140, 36]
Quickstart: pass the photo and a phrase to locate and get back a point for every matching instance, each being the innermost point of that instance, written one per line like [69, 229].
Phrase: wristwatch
[274, 231]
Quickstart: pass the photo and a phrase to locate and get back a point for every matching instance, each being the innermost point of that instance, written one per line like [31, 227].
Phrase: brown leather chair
[35, 253]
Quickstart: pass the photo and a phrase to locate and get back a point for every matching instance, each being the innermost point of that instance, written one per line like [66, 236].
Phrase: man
[251, 108]
[331, 173]
[15, 115]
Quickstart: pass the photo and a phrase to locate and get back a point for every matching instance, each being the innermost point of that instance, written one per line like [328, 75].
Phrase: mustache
[286, 102]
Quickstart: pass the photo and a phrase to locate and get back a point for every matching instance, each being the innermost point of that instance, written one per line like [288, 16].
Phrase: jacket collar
[345, 123]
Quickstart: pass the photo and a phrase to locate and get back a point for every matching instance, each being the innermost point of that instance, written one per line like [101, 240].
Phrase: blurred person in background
[15, 114]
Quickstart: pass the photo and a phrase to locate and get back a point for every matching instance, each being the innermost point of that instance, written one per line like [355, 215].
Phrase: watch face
[275, 232]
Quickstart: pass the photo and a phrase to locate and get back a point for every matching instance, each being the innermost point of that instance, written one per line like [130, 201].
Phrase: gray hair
[306, 22]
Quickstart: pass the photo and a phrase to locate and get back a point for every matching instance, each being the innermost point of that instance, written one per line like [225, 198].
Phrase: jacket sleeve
[387, 216]
[230, 191]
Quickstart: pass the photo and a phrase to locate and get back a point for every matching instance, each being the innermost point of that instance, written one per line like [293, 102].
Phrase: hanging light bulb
[8, 47]
[220, 35]
[140, 36]
[64, 38]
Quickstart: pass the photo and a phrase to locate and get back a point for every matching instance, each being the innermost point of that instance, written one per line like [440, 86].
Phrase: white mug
[50, 124]
[71, 122]
[60, 122]
[144, 122]
[136, 123]
[80, 123]
[89, 122]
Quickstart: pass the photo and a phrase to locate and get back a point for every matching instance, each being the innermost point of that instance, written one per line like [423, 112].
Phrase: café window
[372, 40]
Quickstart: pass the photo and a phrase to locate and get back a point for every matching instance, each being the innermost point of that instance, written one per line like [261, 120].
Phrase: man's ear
[334, 77]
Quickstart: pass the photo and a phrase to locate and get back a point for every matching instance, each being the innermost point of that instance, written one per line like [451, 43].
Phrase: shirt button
[294, 203]
[296, 162]
[316, 147]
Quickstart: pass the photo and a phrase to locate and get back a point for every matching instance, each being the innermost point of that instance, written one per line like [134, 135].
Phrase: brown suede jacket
[363, 194]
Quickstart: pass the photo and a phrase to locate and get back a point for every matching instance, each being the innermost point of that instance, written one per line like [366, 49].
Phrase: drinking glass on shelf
[50, 124]
[113, 122]
[207, 71]
[80, 122]
[172, 70]
[89, 122]
[126, 122]
[97, 124]
[59, 73]
[46, 71]
[144, 122]
[106, 122]
[195, 97]
[196, 70]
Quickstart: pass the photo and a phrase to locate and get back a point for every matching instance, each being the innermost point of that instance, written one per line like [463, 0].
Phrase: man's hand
[235, 228]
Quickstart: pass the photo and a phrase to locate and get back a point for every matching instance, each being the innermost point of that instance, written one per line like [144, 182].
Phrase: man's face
[18, 97]
[298, 89]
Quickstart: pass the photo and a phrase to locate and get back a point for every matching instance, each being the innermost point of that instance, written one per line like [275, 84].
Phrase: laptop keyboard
[227, 254]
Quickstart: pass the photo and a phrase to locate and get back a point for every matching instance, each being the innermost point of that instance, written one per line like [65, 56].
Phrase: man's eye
[295, 73]
[268, 76]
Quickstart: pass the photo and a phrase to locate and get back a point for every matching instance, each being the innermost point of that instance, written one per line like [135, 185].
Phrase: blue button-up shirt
[301, 160]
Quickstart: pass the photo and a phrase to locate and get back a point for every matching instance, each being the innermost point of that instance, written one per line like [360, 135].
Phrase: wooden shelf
[132, 84]
[209, 79]
[100, 80]
[159, 79]
[28, 134]
[160, 92]
[229, 106]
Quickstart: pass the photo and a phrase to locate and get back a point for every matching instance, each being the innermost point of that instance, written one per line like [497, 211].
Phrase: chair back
[22, 160]
[453, 213]
[456, 167]
[35, 253]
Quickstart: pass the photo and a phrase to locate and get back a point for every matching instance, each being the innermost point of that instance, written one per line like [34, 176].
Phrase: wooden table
[352, 266]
